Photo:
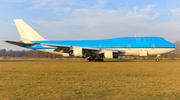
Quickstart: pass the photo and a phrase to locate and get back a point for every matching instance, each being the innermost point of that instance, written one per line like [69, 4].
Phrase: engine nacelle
[110, 55]
[78, 52]
[66, 54]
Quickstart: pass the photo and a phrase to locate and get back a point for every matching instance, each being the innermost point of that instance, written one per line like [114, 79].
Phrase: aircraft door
[143, 53]
[99, 46]
[153, 46]
[138, 39]
[129, 46]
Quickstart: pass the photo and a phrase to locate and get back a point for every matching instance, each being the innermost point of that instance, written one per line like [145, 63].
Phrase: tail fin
[26, 31]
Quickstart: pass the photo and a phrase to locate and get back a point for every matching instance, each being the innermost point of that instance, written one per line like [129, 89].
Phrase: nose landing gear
[157, 58]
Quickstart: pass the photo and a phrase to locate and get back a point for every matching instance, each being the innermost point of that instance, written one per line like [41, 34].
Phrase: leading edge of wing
[63, 46]
[67, 46]
[84, 48]
[58, 46]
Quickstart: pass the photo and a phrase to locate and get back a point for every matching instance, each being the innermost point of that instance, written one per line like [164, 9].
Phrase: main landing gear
[157, 58]
[94, 59]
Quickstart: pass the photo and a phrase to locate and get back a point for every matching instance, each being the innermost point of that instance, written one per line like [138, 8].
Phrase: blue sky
[90, 19]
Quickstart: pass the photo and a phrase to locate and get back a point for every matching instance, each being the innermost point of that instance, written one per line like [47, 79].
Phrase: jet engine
[78, 52]
[110, 55]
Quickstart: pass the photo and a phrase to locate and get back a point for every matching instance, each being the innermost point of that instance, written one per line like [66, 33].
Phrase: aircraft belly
[157, 51]
[149, 51]
[128, 51]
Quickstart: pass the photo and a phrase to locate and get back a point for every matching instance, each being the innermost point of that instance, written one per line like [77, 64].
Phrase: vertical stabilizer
[26, 31]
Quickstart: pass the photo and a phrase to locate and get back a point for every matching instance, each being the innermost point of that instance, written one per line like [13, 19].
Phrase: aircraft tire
[95, 60]
[102, 60]
[157, 60]
[88, 59]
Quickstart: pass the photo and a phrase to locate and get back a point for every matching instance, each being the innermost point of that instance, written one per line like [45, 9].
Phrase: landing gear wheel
[94, 60]
[88, 59]
[102, 60]
[157, 59]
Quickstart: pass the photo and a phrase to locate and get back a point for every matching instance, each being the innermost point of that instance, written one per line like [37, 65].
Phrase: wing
[58, 46]
[97, 50]
[62, 47]
[71, 50]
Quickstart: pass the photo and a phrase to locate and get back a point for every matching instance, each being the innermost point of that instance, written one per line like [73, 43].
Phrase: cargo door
[138, 39]
[129, 46]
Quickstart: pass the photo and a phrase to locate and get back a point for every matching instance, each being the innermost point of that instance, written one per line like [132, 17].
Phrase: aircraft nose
[173, 45]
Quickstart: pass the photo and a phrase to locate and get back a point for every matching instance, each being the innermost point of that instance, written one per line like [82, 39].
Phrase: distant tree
[3, 50]
[177, 50]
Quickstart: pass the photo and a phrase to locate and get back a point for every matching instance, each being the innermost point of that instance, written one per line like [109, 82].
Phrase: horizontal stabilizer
[19, 43]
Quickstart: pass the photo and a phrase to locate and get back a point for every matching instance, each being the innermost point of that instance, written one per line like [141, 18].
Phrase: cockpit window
[162, 39]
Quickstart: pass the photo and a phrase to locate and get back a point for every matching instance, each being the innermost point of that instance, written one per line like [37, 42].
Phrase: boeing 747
[93, 50]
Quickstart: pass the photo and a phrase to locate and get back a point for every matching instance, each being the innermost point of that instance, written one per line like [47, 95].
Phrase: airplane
[93, 50]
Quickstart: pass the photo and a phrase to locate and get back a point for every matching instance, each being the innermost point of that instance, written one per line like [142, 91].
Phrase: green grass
[63, 79]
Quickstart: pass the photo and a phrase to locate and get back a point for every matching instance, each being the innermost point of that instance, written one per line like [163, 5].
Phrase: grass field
[77, 79]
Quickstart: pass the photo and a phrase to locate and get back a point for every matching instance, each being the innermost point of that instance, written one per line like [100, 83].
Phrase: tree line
[27, 54]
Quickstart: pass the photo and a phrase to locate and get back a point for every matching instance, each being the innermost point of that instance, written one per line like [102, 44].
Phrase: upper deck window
[140, 40]
[129, 40]
[146, 39]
